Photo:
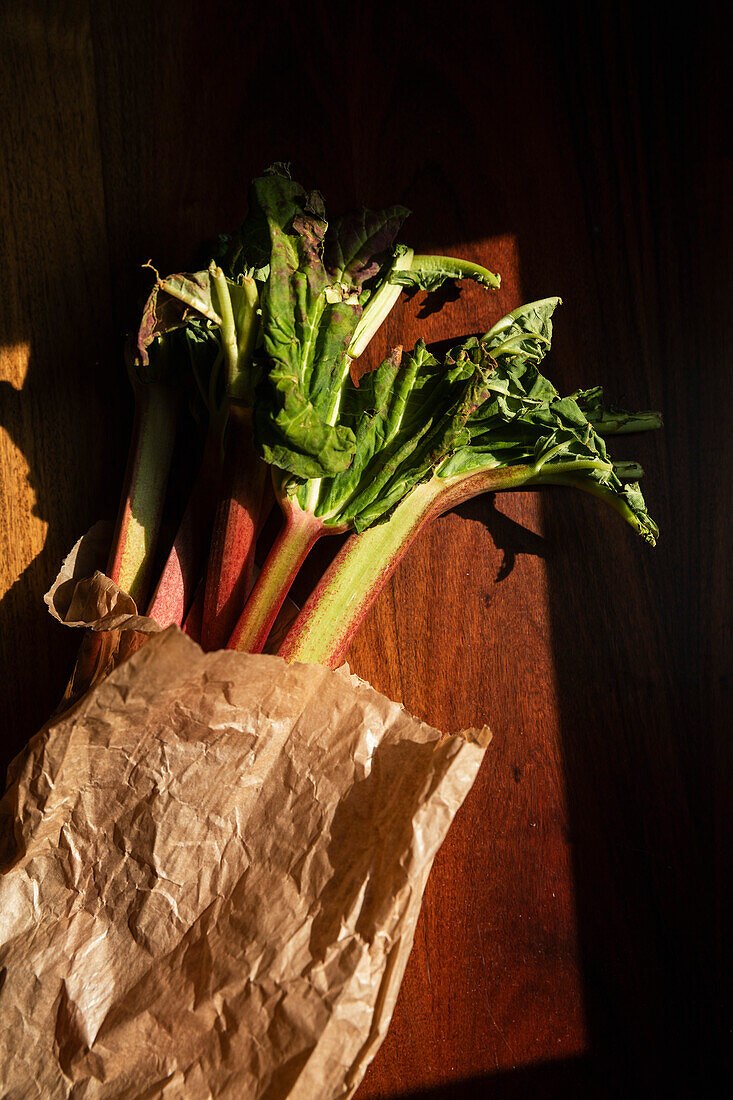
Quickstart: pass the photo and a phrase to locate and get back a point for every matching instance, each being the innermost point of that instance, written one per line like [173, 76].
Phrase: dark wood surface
[575, 937]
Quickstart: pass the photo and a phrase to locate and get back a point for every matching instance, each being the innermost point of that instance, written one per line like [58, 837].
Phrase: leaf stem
[380, 305]
[628, 471]
[645, 526]
[228, 328]
[376, 311]
[429, 265]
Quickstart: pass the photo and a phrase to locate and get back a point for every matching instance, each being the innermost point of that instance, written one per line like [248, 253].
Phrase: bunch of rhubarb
[261, 345]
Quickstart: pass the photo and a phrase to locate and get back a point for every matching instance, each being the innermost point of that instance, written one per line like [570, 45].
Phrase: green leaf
[524, 336]
[430, 272]
[611, 419]
[484, 408]
[359, 243]
[173, 304]
[549, 434]
[388, 412]
[406, 417]
[306, 329]
[188, 320]
[247, 251]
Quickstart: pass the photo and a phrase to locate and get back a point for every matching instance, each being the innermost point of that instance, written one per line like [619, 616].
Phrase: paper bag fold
[82, 596]
[215, 864]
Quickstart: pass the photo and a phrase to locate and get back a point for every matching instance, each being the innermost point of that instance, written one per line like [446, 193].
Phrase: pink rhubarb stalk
[176, 589]
[231, 559]
[295, 540]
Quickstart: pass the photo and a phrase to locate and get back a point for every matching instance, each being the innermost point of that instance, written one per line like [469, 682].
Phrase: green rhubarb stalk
[328, 621]
[380, 304]
[330, 618]
[621, 423]
[430, 272]
[610, 420]
[146, 478]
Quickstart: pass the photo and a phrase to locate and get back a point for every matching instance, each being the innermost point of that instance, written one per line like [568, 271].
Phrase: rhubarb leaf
[358, 244]
[430, 272]
[389, 412]
[189, 320]
[441, 407]
[172, 302]
[485, 407]
[612, 420]
[247, 251]
[406, 417]
[306, 335]
[327, 290]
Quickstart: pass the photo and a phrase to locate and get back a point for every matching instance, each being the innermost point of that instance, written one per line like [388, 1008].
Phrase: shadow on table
[38, 652]
[562, 1080]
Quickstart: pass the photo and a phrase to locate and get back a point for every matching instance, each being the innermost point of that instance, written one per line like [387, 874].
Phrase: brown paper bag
[83, 597]
[214, 868]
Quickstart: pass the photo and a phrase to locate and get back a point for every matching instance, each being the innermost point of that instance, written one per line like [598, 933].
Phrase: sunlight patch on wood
[14, 363]
[22, 533]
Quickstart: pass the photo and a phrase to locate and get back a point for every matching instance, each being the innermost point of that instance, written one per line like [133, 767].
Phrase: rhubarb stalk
[336, 608]
[176, 587]
[299, 533]
[231, 558]
[146, 478]
[177, 345]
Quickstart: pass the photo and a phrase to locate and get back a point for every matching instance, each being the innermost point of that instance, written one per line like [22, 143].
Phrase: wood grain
[574, 937]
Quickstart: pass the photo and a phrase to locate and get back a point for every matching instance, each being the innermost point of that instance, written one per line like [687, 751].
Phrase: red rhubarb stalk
[194, 618]
[295, 540]
[231, 559]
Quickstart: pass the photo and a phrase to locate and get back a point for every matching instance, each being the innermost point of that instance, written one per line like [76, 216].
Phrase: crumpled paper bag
[215, 864]
[82, 596]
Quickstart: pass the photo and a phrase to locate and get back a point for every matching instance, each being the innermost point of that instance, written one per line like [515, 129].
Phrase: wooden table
[574, 937]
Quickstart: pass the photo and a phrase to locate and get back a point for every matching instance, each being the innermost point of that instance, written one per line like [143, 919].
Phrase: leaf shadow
[510, 537]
